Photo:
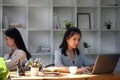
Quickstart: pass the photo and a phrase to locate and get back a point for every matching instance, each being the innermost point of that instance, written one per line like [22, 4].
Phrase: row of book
[7, 25]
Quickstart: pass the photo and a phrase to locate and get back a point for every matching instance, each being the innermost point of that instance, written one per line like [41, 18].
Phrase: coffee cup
[73, 69]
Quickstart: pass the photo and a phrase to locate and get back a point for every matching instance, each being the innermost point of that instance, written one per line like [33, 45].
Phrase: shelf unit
[38, 16]
[109, 38]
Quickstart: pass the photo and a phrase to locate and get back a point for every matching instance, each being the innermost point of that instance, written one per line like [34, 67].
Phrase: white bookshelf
[37, 18]
[109, 38]
[90, 34]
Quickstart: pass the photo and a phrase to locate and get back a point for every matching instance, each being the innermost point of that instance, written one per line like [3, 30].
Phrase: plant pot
[108, 26]
[86, 50]
[34, 71]
[67, 26]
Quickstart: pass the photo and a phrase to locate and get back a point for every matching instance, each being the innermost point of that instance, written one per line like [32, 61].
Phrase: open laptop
[105, 63]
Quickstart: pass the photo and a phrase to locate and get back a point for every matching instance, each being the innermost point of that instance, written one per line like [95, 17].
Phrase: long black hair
[69, 33]
[15, 34]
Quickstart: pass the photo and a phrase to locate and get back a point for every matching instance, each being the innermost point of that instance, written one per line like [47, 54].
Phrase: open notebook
[105, 63]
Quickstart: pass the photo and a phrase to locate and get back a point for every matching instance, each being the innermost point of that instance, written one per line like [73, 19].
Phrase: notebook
[105, 63]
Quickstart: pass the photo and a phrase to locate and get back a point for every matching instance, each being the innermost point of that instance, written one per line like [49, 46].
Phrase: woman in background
[18, 50]
[69, 54]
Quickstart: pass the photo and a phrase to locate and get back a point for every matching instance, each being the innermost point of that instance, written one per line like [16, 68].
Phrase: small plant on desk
[37, 62]
[36, 65]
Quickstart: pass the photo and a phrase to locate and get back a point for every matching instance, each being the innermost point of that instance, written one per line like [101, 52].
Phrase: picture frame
[83, 21]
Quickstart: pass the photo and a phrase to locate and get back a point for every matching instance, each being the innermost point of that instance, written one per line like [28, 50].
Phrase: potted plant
[67, 24]
[108, 24]
[86, 46]
[4, 72]
[35, 64]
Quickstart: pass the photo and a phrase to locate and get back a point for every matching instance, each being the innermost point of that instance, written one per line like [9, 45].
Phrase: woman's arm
[83, 70]
[65, 69]
[57, 58]
[86, 62]
[19, 54]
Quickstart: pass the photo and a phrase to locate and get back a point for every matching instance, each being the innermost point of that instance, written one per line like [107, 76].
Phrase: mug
[73, 69]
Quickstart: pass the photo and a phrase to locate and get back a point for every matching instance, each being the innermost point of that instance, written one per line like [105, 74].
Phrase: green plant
[86, 45]
[3, 69]
[107, 23]
[67, 24]
[37, 62]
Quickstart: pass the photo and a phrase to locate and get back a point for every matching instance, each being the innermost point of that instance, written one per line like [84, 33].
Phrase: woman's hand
[84, 70]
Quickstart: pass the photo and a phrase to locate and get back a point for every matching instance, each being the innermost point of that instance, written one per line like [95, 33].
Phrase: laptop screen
[105, 63]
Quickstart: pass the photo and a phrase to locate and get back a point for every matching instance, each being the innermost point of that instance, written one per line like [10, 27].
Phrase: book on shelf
[16, 25]
[42, 49]
[56, 24]
[5, 22]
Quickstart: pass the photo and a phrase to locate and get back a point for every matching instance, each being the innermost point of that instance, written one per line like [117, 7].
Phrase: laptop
[105, 63]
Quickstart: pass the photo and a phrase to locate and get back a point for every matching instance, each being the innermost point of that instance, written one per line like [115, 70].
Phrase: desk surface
[66, 76]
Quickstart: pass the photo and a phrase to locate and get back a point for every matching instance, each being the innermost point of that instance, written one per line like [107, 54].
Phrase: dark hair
[69, 33]
[15, 34]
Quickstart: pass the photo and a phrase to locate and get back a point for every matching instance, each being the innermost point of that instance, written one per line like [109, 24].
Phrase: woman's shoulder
[20, 52]
[58, 51]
